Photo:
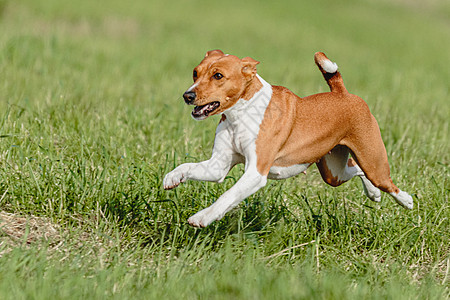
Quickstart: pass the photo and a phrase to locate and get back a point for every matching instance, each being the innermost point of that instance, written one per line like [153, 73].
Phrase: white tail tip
[329, 66]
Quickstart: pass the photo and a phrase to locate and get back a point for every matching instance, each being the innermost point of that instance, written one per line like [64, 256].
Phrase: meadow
[92, 118]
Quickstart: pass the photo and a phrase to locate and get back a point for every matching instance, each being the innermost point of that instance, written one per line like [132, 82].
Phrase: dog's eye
[194, 75]
[218, 76]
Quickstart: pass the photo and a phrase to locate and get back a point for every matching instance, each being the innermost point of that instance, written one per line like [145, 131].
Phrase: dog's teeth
[204, 110]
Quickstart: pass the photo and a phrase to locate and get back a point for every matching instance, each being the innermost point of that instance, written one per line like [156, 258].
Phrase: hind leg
[370, 154]
[372, 192]
[385, 184]
[336, 168]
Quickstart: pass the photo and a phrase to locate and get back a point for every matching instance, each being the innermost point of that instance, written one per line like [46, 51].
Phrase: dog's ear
[214, 53]
[249, 66]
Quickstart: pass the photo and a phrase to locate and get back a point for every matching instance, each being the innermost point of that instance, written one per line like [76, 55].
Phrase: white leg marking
[404, 199]
[208, 170]
[215, 169]
[372, 192]
[248, 184]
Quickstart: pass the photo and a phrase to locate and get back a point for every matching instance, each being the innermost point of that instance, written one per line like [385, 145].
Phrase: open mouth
[203, 111]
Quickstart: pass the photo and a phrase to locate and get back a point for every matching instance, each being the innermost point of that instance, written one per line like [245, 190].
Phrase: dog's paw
[372, 192]
[173, 179]
[202, 219]
[404, 199]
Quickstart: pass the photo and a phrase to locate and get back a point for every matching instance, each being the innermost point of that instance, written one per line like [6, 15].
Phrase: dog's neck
[252, 104]
[253, 86]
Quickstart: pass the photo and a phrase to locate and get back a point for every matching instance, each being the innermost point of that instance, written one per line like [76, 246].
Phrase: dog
[279, 135]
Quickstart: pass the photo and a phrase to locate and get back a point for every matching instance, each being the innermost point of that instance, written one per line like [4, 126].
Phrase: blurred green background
[91, 118]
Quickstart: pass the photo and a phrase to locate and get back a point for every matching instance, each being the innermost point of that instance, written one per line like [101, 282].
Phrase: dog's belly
[286, 172]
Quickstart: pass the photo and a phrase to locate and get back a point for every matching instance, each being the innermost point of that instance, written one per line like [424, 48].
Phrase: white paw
[202, 219]
[370, 190]
[404, 199]
[173, 179]
[373, 193]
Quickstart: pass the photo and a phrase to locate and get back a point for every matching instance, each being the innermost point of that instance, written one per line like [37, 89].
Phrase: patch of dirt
[18, 230]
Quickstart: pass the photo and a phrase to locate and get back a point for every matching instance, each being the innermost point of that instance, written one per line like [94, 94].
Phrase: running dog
[279, 135]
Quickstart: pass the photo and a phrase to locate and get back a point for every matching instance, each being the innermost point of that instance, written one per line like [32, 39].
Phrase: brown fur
[298, 130]
[302, 130]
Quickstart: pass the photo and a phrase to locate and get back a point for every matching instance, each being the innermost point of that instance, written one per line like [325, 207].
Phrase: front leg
[248, 184]
[215, 169]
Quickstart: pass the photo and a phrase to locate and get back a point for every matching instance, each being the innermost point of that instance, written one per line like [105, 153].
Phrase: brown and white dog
[278, 134]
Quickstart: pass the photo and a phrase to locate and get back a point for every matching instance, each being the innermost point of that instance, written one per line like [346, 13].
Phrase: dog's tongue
[205, 110]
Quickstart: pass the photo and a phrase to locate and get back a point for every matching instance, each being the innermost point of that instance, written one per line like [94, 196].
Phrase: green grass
[91, 118]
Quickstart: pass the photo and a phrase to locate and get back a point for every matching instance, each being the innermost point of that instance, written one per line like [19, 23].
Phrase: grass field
[91, 118]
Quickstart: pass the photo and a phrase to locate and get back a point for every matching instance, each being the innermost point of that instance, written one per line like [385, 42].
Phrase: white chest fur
[245, 117]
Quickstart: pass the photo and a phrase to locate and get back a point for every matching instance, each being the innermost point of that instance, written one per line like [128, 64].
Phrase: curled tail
[330, 72]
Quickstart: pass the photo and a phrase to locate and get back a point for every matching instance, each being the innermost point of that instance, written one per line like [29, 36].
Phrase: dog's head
[220, 80]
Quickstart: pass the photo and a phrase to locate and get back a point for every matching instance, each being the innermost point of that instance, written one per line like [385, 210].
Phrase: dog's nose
[189, 97]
